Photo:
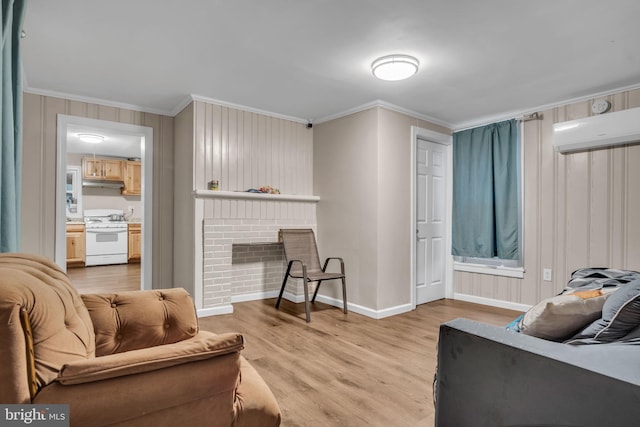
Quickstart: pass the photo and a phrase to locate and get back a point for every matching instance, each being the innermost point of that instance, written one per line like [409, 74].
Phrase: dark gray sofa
[490, 376]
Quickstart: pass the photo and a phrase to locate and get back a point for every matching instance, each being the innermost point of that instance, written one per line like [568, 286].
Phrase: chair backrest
[300, 243]
[43, 325]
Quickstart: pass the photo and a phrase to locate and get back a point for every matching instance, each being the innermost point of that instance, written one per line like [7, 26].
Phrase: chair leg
[284, 282]
[344, 294]
[316, 291]
[307, 308]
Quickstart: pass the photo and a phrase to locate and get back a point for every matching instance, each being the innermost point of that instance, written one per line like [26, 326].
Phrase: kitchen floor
[105, 278]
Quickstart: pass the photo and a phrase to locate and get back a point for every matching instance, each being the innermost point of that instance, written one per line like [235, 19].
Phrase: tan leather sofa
[126, 359]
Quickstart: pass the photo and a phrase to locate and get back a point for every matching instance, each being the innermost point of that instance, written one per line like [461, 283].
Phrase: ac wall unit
[605, 130]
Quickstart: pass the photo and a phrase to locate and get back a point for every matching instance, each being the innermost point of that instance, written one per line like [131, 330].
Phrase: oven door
[106, 246]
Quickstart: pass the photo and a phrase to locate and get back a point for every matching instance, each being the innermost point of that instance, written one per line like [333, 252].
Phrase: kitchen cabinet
[132, 178]
[75, 245]
[135, 240]
[103, 169]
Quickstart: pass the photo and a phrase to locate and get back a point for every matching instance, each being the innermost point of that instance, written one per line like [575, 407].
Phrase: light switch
[546, 274]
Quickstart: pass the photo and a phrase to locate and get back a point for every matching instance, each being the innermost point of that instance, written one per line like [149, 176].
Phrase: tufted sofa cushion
[40, 308]
[133, 320]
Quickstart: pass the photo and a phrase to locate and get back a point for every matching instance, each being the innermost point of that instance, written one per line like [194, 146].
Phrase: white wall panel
[245, 150]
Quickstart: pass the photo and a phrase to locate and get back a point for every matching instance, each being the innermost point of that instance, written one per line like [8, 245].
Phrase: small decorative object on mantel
[214, 185]
[267, 189]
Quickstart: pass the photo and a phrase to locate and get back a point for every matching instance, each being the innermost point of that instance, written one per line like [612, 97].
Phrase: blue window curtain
[485, 191]
[11, 125]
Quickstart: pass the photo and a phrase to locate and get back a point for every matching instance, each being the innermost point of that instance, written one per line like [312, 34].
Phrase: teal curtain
[11, 125]
[485, 191]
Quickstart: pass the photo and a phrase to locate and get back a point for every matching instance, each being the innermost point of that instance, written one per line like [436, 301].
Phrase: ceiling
[114, 144]
[310, 59]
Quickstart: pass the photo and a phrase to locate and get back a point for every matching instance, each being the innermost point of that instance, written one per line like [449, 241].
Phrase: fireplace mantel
[244, 195]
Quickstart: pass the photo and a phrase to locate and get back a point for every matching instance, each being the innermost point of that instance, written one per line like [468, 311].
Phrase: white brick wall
[242, 259]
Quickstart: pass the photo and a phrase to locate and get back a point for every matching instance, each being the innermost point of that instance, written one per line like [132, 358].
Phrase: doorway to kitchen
[103, 204]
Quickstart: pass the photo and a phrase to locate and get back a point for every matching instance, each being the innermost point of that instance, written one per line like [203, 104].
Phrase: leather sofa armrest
[205, 345]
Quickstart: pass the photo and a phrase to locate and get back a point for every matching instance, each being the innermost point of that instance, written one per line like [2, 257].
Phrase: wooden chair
[303, 262]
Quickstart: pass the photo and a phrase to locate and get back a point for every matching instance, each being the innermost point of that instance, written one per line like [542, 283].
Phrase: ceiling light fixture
[91, 138]
[395, 67]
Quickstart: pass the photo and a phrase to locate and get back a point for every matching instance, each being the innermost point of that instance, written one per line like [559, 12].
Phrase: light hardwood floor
[105, 278]
[348, 370]
[337, 371]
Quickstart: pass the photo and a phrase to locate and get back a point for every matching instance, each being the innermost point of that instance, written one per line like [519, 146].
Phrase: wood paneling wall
[242, 150]
[39, 175]
[581, 210]
[245, 150]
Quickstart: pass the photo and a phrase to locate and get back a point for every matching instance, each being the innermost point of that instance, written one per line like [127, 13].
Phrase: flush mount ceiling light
[395, 67]
[91, 138]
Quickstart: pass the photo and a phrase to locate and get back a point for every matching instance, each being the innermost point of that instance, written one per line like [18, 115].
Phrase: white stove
[106, 237]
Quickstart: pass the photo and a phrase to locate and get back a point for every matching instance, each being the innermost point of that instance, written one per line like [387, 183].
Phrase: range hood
[102, 184]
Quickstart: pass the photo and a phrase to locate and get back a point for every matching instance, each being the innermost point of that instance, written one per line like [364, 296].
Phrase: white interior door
[431, 220]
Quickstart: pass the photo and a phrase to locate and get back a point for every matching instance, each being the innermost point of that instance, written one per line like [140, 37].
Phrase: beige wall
[581, 210]
[394, 205]
[184, 228]
[39, 175]
[362, 173]
[345, 176]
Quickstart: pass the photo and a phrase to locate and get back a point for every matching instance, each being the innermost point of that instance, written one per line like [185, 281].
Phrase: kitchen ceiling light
[395, 67]
[91, 138]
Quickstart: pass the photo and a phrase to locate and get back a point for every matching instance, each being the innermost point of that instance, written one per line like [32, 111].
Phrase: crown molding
[182, 105]
[88, 99]
[506, 116]
[455, 127]
[221, 103]
[388, 106]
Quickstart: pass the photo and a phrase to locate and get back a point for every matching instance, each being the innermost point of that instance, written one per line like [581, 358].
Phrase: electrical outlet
[546, 274]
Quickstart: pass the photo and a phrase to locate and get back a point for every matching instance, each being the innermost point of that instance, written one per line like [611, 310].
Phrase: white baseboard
[392, 311]
[255, 296]
[365, 311]
[492, 302]
[297, 299]
[214, 311]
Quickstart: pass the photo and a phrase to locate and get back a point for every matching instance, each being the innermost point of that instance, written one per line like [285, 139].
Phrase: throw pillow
[620, 315]
[561, 316]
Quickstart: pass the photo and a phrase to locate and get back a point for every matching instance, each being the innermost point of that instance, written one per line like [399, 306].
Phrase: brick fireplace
[241, 257]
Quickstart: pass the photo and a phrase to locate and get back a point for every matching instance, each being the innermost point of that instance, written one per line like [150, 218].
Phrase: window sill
[517, 272]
